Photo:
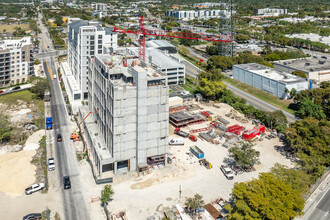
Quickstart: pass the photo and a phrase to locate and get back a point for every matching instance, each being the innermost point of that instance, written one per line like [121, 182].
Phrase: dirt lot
[11, 28]
[160, 189]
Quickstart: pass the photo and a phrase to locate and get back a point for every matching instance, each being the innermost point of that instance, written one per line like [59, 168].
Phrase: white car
[51, 164]
[184, 93]
[34, 188]
[227, 172]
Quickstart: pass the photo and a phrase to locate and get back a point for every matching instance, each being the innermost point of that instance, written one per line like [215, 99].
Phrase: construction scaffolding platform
[183, 118]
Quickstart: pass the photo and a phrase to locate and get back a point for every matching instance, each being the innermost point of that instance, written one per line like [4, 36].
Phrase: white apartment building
[86, 38]
[270, 11]
[101, 7]
[170, 66]
[128, 129]
[199, 14]
[16, 61]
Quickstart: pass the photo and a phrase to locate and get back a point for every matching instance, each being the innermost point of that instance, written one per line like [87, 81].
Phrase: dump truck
[197, 152]
[181, 133]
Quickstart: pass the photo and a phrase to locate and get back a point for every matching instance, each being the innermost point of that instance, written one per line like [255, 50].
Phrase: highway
[73, 202]
[193, 71]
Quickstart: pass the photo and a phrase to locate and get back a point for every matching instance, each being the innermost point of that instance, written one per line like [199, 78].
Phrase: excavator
[74, 136]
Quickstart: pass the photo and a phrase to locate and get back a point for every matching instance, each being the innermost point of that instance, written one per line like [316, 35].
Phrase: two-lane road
[73, 200]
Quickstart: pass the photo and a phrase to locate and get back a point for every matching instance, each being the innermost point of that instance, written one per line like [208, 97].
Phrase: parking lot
[159, 189]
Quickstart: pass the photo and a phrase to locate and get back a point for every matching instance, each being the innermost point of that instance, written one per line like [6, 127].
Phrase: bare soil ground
[143, 195]
[11, 28]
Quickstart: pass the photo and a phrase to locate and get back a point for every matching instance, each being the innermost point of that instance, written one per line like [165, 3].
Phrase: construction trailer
[249, 135]
[236, 129]
[197, 152]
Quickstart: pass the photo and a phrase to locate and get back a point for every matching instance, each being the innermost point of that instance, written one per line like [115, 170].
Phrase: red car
[1, 91]
[192, 138]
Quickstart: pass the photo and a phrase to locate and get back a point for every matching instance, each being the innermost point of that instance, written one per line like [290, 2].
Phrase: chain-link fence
[317, 184]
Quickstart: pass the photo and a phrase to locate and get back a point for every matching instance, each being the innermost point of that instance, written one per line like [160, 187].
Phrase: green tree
[106, 194]
[300, 73]
[210, 88]
[219, 62]
[36, 62]
[244, 154]
[307, 108]
[265, 198]
[297, 178]
[309, 139]
[293, 92]
[194, 203]
[39, 86]
[277, 120]
[5, 128]
[242, 38]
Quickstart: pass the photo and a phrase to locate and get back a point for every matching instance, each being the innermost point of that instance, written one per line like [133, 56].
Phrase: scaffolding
[227, 28]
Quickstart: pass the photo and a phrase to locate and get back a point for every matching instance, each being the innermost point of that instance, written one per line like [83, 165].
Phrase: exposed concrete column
[165, 160]
[100, 168]
[115, 167]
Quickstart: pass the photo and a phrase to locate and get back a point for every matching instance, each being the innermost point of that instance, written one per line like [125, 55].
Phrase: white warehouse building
[269, 80]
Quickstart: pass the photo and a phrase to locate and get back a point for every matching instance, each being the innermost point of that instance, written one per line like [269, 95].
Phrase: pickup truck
[34, 188]
[227, 172]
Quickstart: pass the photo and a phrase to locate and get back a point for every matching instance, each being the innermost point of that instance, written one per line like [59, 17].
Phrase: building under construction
[184, 118]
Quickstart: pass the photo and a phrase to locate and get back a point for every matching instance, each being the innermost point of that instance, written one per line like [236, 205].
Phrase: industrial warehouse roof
[159, 58]
[271, 73]
[311, 64]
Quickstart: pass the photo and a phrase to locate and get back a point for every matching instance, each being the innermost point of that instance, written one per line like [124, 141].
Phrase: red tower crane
[142, 33]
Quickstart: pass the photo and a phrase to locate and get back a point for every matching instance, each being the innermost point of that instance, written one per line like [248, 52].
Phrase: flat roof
[159, 43]
[270, 73]
[159, 58]
[310, 64]
[311, 37]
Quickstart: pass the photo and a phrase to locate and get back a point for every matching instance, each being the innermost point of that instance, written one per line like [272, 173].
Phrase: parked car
[1, 91]
[51, 164]
[227, 172]
[16, 88]
[59, 138]
[32, 216]
[192, 138]
[66, 182]
[34, 188]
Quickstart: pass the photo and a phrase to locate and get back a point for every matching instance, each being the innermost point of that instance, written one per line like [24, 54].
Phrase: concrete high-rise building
[270, 11]
[87, 38]
[16, 61]
[128, 128]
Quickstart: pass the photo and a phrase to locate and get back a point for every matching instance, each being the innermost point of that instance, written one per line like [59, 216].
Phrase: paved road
[193, 71]
[322, 209]
[50, 54]
[74, 204]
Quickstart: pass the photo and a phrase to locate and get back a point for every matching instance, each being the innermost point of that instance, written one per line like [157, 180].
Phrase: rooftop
[14, 44]
[159, 58]
[311, 64]
[312, 37]
[271, 73]
[159, 43]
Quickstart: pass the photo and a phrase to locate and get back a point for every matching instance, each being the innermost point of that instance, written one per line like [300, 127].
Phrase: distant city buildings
[268, 79]
[270, 12]
[317, 68]
[16, 61]
[208, 5]
[199, 14]
[86, 38]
